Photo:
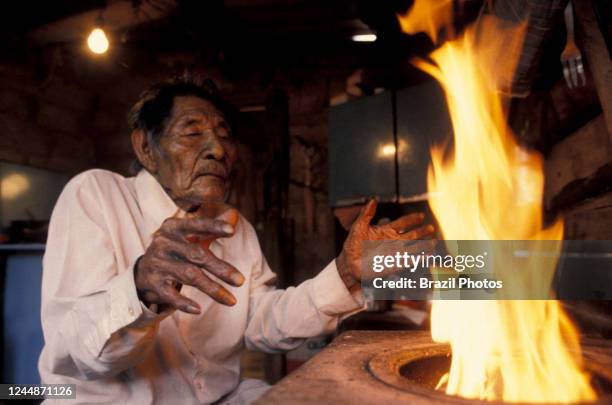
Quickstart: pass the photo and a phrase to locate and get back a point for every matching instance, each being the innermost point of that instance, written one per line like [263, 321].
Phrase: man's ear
[144, 150]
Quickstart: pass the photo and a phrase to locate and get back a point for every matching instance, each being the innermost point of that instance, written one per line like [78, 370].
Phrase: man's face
[196, 153]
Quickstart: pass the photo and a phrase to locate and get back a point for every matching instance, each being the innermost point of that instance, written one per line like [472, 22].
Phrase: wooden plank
[578, 167]
[598, 61]
[590, 219]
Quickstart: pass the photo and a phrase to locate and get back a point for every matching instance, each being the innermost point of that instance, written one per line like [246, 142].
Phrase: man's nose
[213, 149]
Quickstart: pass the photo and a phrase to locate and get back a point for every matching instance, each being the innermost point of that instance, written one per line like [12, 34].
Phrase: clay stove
[376, 367]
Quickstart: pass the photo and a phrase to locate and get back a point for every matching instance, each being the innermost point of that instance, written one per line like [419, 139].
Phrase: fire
[489, 188]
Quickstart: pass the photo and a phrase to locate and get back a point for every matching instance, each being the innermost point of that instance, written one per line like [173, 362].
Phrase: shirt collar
[154, 202]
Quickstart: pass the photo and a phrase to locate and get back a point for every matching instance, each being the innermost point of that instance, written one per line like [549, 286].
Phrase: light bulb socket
[100, 19]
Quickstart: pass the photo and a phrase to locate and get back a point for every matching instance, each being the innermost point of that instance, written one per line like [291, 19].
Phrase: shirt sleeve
[93, 322]
[280, 320]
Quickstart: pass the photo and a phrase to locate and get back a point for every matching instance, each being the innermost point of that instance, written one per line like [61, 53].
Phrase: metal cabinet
[380, 145]
[422, 121]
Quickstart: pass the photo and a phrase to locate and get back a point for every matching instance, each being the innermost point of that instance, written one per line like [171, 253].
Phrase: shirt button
[199, 385]
[131, 311]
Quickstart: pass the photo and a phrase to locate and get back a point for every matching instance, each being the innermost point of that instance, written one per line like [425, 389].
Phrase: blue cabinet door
[422, 121]
[361, 151]
[23, 338]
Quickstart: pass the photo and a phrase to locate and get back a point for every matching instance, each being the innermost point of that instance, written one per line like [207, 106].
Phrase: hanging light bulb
[97, 41]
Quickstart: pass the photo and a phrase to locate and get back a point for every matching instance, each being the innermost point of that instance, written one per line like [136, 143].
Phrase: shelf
[22, 247]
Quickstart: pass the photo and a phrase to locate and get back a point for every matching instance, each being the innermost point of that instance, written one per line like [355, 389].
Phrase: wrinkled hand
[171, 260]
[408, 228]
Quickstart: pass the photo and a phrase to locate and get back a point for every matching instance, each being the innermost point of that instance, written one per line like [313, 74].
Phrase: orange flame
[489, 188]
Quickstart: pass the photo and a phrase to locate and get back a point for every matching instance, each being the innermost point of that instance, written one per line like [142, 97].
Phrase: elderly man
[133, 312]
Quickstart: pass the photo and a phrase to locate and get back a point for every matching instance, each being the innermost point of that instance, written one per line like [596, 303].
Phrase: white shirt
[99, 336]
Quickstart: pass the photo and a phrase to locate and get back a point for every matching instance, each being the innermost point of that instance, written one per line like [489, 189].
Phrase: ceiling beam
[118, 15]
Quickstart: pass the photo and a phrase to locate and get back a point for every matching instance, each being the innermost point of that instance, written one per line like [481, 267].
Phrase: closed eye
[224, 131]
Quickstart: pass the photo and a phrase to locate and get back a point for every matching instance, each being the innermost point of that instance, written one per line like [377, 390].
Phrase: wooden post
[598, 61]
[579, 166]
[277, 244]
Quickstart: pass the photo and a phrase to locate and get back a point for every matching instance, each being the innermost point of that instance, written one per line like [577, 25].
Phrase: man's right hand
[171, 260]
